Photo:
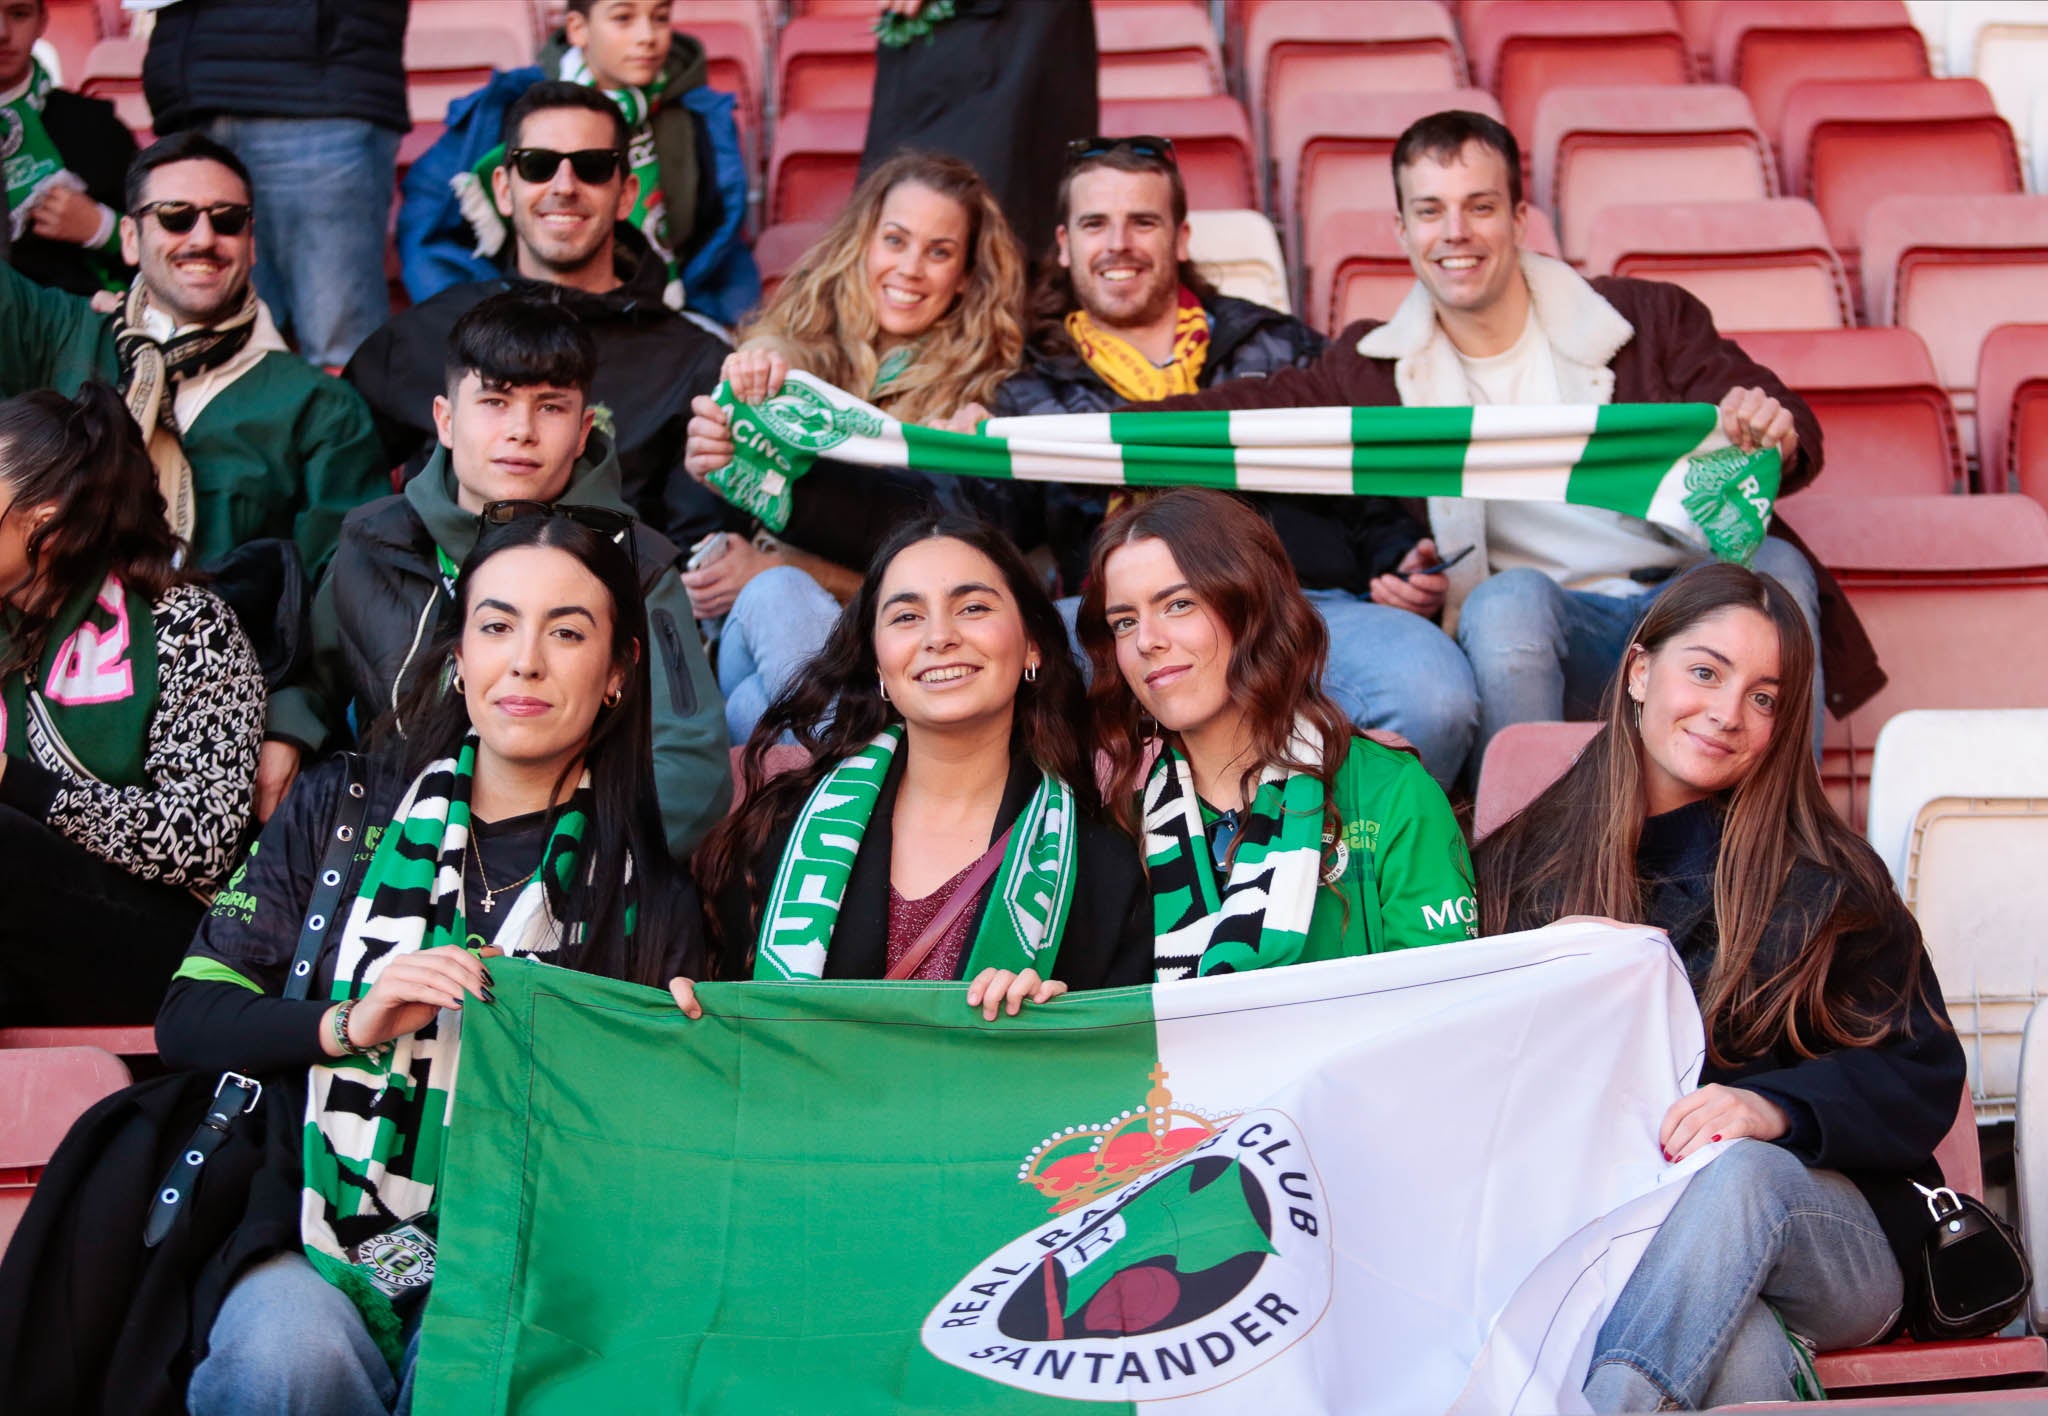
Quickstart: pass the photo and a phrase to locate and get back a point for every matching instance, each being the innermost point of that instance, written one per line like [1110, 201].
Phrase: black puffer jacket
[277, 59]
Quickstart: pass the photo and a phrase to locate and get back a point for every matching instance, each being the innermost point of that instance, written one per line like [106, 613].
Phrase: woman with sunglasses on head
[1271, 833]
[942, 722]
[131, 706]
[1831, 1065]
[511, 814]
[912, 300]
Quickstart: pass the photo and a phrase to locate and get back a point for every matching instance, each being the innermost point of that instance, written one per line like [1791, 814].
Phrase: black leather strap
[236, 1094]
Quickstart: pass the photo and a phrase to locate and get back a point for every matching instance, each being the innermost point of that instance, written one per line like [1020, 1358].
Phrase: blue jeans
[323, 200]
[288, 1342]
[1756, 1227]
[1541, 653]
[1387, 669]
[777, 622]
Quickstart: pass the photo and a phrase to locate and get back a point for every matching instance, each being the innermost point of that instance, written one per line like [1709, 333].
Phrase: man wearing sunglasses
[515, 435]
[567, 190]
[249, 441]
[1124, 315]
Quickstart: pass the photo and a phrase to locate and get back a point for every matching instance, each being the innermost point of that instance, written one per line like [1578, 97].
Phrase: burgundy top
[907, 922]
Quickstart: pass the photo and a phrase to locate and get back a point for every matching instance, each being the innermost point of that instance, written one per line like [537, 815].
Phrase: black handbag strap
[236, 1094]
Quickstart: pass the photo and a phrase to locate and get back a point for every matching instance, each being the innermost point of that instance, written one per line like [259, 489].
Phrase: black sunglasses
[1152, 149]
[591, 165]
[600, 519]
[226, 218]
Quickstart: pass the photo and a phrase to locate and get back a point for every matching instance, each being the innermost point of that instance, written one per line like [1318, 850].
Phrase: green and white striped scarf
[1028, 901]
[374, 1125]
[1667, 463]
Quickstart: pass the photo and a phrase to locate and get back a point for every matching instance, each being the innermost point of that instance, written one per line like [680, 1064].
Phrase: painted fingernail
[489, 982]
[1717, 1138]
[490, 997]
[1666, 1154]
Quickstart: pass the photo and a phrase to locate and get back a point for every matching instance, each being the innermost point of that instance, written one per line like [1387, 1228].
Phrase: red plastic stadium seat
[1292, 47]
[1946, 587]
[1522, 49]
[1954, 269]
[1165, 49]
[864, 10]
[1756, 265]
[73, 28]
[1765, 50]
[1697, 20]
[1212, 142]
[690, 16]
[1520, 762]
[122, 1042]
[1597, 147]
[1357, 270]
[825, 61]
[783, 757]
[452, 49]
[2012, 411]
[815, 163]
[113, 71]
[1889, 427]
[1849, 143]
[732, 57]
[42, 1091]
[778, 249]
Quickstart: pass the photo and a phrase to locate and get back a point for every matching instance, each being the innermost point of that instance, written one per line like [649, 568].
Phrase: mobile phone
[707, 550]
[1439, 568]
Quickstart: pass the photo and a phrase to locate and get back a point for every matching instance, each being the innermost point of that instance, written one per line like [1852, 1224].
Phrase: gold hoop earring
[457, 684]
[611, 700]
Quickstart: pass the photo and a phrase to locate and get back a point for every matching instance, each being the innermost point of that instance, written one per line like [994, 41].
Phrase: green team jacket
[283, 451]
[378, 610]
[1406, 878]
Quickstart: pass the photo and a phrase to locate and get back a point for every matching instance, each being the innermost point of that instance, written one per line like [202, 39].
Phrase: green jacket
[283, 451]
[371, 634]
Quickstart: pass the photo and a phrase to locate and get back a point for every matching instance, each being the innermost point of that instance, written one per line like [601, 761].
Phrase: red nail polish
[1717, 1138]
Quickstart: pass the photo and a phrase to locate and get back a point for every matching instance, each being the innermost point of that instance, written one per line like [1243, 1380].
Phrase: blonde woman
[913, 300]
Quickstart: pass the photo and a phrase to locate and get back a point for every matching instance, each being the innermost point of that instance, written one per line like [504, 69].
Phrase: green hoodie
[368, 634]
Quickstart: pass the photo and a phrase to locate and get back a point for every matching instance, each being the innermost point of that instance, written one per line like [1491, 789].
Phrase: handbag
[1974, 1275]
[963, 896]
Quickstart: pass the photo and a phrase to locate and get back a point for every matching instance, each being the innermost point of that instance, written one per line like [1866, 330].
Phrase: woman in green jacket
[1272, 834]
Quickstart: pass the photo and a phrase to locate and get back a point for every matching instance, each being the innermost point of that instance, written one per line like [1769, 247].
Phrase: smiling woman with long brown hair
[1697, 809]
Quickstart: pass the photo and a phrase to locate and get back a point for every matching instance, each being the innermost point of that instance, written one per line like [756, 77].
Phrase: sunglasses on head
[1150, 148]
[226, 218]
[603, 520]
[591, 165]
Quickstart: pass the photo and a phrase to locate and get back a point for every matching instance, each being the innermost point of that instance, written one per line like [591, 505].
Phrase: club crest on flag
[1728, 501]
[1185, 1250]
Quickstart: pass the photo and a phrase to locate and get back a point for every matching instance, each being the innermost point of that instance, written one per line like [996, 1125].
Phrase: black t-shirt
[508, 850]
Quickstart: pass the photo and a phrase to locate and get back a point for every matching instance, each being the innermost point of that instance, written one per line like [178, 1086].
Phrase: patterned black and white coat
[184, 827]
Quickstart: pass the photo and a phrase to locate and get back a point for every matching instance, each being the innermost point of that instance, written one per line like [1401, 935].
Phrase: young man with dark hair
[248, 440]
[66, 154]
[566, 191]
[1123, 314]
[1544, 604]
[514, 424]
[689, 200]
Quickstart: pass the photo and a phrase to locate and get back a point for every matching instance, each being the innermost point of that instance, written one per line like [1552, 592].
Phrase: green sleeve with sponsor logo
[1403, 875]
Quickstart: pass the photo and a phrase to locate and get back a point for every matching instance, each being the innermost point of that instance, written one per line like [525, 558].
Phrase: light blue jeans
[777, 622]
[1387, 669]
[1541, 653]
[289, 1343]
[323, 196]
[1691, 1329]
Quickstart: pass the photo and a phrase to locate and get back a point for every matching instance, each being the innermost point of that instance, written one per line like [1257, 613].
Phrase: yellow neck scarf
[1131, 374]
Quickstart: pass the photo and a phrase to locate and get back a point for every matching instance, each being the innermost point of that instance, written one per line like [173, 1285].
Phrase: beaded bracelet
[342, 1040]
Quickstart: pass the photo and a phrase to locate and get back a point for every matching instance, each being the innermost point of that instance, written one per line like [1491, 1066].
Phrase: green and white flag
[1410, 1182]
[1665, 462]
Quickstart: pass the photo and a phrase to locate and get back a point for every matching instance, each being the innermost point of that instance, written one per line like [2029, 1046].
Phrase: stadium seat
[121, 1041]
[1697, 20]
[758, 19]
[864, 10]
[1365, 52]
[1954, 269]
[1520, 762]
[815, 163]
[42, 1091]
[113, 71]
[1212, 142]
[1849, 143]
[2004, 45]
[72, 29]
[1162, 50]
[1356, 269]
[1947, 588]
[1756, 265]
[778, 249]
[1765, 50]
[782, 757]
[1596, 147]
[825, 61]
[732, 57]
[2012, 411]
[1886, 420]
[452, 50]
[1522, 49]
[1238, 253]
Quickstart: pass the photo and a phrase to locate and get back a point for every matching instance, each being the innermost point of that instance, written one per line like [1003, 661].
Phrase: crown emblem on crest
[1082, 1164]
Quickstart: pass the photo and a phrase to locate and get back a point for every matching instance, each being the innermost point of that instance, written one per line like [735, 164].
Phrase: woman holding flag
[1697, 809]
[943, 827]
[1272, 834]
[513, 816]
